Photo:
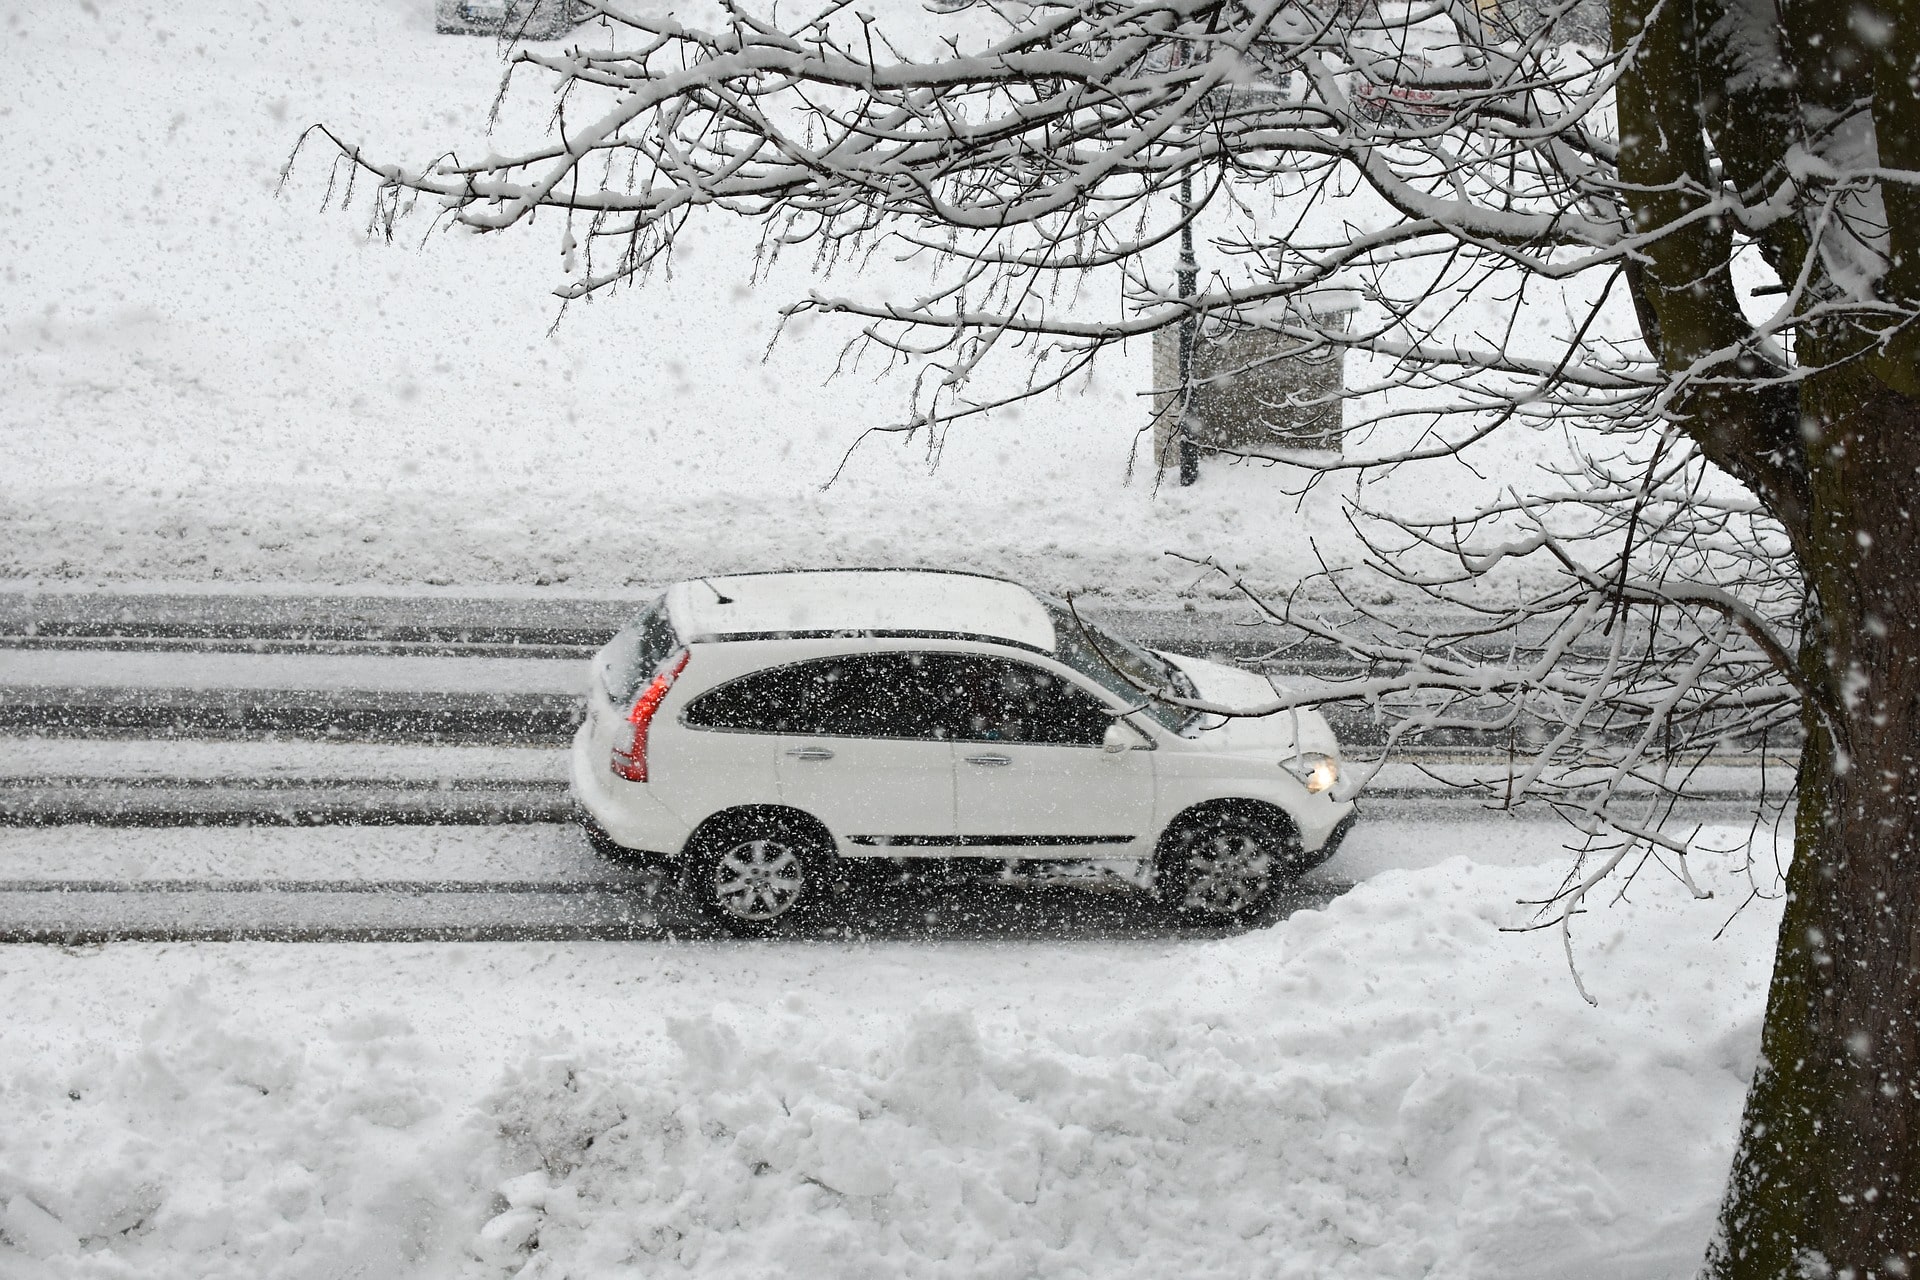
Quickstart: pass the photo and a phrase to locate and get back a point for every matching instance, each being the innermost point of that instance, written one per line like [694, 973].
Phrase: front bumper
[1331, 845]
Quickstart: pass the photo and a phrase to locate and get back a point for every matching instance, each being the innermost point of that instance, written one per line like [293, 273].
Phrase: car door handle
[811, 753]
[990, 759]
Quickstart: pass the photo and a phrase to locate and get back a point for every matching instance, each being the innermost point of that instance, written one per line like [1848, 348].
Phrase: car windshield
[1120, 666]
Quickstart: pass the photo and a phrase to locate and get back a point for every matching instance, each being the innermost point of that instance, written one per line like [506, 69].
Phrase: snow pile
[1390, 1087]
[216, 1143]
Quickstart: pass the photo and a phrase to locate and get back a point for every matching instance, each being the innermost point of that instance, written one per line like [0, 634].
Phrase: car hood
[1283, 734]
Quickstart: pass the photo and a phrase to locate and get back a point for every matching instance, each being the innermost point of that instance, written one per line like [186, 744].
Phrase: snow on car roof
[859, 600]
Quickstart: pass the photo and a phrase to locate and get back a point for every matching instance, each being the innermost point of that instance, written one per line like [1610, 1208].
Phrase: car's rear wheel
[759, 874]
[1224, 864]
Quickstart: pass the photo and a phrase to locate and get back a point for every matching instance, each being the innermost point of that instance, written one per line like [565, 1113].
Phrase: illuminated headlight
[1318, 772]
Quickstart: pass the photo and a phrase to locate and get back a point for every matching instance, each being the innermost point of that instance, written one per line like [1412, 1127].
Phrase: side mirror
[1121, 736]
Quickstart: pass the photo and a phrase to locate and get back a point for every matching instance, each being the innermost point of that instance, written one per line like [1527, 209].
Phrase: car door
[856, 742]
[865, 751]
[1031, 776]
[724, 748]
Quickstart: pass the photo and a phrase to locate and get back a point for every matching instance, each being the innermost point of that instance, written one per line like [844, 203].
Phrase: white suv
[757, 730]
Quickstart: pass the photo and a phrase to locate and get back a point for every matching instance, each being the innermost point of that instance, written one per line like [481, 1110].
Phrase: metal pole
[1187, 279]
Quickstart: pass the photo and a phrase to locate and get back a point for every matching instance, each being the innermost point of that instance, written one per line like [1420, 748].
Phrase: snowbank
[1390, 1087]
[1067, 532]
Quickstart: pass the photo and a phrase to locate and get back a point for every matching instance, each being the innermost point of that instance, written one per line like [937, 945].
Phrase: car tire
[1224, 864]
[758, 875]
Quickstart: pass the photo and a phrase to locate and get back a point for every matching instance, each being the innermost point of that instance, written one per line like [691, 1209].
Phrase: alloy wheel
[1227, 872]
[759, 879]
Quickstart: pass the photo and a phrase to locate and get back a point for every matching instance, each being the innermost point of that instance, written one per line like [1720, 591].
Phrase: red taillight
[631, 764]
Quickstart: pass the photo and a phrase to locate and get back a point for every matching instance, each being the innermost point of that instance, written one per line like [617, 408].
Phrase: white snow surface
[306, 672]
[283, 761]
[556, 852]
[1389, 1087]
[209, 380]
[751, 603]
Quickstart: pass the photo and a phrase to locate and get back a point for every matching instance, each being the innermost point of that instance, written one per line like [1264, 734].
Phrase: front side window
[992, 699]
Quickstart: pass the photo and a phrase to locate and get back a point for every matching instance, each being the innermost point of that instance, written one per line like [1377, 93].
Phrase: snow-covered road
[286, 672]
[505, 668]
[394, 767]
[357, 883]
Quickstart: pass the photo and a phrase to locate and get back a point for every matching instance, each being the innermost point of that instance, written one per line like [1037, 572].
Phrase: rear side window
[632, 656]
[869, 695]
[929, 696]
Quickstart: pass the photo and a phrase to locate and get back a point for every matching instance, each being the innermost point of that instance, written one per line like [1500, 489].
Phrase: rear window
[632, 656]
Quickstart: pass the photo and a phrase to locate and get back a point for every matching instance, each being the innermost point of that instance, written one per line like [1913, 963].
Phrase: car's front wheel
[1223, 864]
[758, 874]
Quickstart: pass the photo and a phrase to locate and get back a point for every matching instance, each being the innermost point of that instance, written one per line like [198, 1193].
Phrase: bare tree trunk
[1826, 1180]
